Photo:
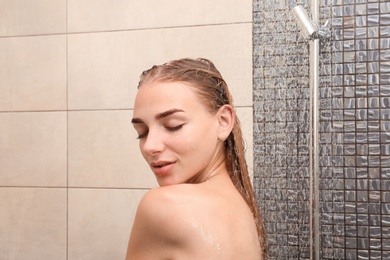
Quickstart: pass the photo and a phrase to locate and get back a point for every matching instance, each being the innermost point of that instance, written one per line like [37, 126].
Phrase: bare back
[194, 221]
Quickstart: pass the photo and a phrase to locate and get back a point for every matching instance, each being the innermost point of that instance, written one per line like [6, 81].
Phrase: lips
[160, 164]
[161, 168]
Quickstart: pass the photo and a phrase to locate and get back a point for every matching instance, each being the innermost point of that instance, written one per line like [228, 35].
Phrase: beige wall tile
[32, 223]
[100, 66]
[33, 73]
[103, 151]
[104, 68]
[245, 115]
[101, 15]
[21, 17]
[33, 149]
[100, 221]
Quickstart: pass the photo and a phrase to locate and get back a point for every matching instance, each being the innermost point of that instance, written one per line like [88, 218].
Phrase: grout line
[90, 109]
[125, 30]
[78, 187]
[68, 110]
[67, 133]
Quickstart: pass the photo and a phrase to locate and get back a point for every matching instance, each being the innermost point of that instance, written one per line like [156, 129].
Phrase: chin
[164, 183]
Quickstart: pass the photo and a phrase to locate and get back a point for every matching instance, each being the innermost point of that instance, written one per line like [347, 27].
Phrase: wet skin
[178, 136]
[196, 213]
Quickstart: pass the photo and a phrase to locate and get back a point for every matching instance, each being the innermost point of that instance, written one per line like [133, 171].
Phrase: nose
[153, 143]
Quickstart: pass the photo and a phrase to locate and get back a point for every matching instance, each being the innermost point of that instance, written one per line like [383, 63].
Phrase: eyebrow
[158, 116]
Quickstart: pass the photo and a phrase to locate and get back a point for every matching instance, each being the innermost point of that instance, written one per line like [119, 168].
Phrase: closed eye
[173, 129]
[140, 136]
[170, 129]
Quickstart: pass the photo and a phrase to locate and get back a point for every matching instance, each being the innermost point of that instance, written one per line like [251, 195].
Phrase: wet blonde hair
[204, 78]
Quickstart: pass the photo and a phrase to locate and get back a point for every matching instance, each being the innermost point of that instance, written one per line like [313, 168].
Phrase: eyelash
[142, 135]
[170, 129]
[173, 129]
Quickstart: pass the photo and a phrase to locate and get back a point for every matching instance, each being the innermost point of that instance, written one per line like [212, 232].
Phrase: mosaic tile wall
[354, 129]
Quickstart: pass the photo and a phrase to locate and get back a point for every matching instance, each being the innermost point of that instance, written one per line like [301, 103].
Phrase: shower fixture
[309, 30]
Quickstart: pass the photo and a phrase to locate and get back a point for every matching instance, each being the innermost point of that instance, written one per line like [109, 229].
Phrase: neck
[217, 167]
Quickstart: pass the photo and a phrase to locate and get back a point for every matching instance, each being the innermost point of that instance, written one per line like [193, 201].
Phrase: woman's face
[177, 134]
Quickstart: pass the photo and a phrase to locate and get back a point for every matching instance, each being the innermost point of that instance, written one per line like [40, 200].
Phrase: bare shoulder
[172, 210]
[161, 224]
[186, 220]
[168, 200]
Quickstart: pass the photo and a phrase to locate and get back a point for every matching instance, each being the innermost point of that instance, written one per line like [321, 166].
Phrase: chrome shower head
[308, 29]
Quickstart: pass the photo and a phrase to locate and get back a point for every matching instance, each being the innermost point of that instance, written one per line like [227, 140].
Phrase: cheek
[196, 139]
[185, 144]
[198, 145]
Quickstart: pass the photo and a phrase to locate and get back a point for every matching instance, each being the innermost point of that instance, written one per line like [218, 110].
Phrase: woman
[191, 139]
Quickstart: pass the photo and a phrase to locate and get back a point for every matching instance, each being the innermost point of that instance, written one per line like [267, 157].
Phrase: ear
[226, 119]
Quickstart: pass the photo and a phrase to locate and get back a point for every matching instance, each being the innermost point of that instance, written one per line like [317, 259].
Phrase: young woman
[191, 139]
